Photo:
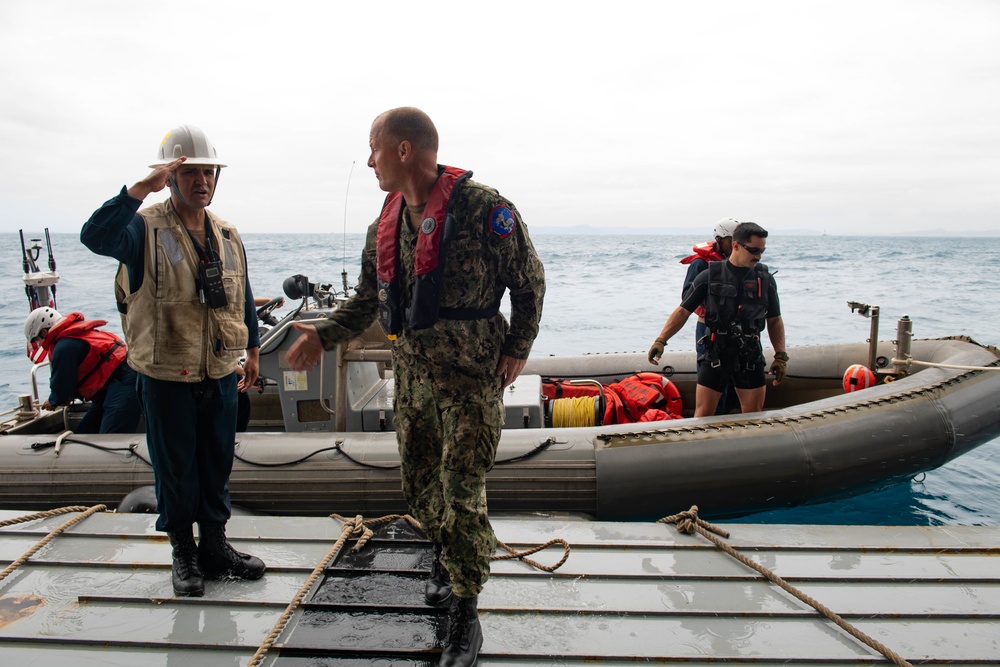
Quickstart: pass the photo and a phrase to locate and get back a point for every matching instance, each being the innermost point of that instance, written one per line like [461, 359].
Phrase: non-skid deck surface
[99, 594]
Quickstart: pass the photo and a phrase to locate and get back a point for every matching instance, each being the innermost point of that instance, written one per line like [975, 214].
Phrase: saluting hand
[156, 181]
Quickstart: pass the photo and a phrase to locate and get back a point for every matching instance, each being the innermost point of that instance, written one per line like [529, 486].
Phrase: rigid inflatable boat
[322, 441]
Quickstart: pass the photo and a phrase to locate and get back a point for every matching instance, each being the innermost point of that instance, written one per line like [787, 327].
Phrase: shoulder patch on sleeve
[502, 221]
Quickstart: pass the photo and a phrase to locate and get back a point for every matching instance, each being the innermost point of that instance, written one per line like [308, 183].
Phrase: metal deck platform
[100, 594]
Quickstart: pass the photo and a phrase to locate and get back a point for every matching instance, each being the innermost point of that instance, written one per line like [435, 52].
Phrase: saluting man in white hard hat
[188, 314]
[84, 362]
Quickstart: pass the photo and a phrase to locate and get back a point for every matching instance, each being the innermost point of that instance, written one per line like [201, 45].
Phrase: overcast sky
[846, 116]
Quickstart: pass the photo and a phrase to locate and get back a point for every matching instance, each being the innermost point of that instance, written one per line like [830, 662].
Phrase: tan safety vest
[170, 334]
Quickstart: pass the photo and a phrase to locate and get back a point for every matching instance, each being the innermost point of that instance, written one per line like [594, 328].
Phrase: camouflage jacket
[482, 262]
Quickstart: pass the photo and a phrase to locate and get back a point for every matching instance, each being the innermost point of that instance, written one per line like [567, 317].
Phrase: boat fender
[143, 501]
[139, 501]
[858, 377]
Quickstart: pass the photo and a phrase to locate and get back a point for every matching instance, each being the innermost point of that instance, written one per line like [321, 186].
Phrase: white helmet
[725, 227]
[189, 141]
[38, 319]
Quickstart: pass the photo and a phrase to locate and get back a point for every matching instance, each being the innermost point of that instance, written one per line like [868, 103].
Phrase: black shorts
[729, 371]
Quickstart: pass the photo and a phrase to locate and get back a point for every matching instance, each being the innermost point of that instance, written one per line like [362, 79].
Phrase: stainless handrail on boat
[34, 378]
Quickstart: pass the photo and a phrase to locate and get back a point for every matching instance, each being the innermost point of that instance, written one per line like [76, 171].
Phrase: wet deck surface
[99, 594]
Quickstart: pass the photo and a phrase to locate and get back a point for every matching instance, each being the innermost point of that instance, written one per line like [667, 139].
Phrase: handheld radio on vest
[212, 290]
[210, 287]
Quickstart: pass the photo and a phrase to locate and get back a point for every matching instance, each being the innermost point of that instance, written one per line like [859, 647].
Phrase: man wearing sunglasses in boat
[188, 315]
[434, 269]
[741, 300]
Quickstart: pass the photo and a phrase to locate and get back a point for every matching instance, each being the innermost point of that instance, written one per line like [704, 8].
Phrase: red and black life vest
[705, 251]
[106, 352]
[737, 306]
[435, 231]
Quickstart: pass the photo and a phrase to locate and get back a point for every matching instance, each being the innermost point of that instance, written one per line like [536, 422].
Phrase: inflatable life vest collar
[425, 305]
[705, 251]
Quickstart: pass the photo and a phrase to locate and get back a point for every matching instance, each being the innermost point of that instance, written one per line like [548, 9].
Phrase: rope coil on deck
[514, 554]
[688, 522]
[86, 512]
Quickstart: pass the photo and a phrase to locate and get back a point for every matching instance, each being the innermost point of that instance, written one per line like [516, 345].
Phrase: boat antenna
[52, 262]
[343, 273]
[24, 252]
[26, 267]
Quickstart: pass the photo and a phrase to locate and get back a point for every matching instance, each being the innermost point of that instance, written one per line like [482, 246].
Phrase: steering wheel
[264, 312]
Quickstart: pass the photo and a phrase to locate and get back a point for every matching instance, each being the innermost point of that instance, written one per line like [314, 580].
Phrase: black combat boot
[465, 634]
[219, 560]
[439, 583]
[186, 574]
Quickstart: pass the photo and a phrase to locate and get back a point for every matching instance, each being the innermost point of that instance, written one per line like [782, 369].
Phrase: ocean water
[612, 294]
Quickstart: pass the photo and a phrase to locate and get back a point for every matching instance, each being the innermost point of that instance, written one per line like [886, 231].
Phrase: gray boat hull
[812, 443]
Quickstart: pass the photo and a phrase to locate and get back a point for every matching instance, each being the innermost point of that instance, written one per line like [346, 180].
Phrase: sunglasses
[753, 251]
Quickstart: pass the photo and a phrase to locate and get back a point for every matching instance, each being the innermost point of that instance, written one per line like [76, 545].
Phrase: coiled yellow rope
[577, 411]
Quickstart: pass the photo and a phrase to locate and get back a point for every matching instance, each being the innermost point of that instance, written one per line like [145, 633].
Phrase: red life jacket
[106, 351]
[643, 392]
[425, 304]
[705, 251]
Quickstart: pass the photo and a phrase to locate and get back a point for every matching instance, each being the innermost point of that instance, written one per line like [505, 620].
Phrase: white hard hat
[189, 141]
[725, 227]
[38, 319]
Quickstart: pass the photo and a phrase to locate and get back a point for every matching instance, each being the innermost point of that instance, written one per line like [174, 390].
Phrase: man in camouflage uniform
[435, 267]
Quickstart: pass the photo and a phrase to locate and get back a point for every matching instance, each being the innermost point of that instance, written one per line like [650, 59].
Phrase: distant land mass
[645, 231]
[701, 231]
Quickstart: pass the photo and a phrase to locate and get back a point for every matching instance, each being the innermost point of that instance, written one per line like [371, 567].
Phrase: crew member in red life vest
[709, 251]
[85, 362]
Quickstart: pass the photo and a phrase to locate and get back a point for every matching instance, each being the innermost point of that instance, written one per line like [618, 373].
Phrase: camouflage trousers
[447, 443]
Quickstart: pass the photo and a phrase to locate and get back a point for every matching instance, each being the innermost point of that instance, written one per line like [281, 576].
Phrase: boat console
[351, 389]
